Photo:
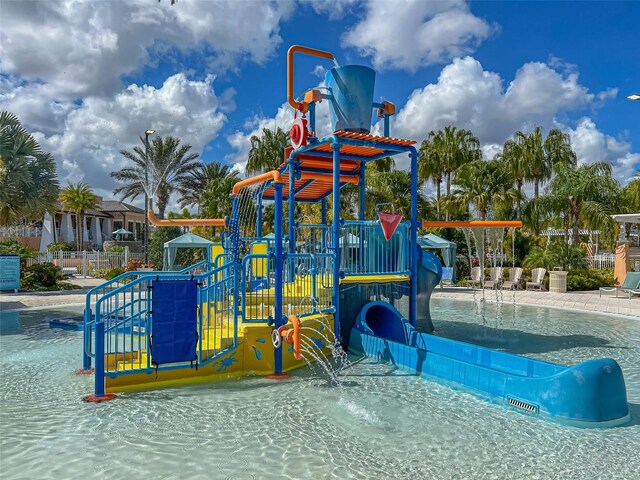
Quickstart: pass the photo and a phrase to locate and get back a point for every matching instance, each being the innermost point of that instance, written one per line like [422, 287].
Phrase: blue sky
[89, 78]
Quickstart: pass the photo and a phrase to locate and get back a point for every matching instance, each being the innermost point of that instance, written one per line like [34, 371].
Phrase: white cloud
[81, 48]
[591, 145]
[88, 147]
[409, 34]
[334, 9]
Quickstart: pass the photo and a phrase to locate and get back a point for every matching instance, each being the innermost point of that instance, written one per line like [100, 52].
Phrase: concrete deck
[588, 301]
[64, 298]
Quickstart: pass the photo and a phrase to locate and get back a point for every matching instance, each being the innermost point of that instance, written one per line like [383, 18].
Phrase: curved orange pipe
[328, 177]
[186, 222]
[270, 175]
[301, 106]
[473, 224]
[293, 335]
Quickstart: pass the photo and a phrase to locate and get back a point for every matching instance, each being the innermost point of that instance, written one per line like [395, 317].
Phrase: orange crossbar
[328, 177]
[473, 224]
[272, 174]
[301, 106]
[186, 222]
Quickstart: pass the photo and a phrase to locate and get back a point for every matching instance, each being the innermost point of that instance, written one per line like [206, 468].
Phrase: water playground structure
[268, 304]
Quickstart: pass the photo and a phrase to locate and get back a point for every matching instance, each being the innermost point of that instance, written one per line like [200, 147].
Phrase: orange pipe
[272, 174]
[301, 106]
[293, 335]
[473, 224]
[328, 177]
[186, 222]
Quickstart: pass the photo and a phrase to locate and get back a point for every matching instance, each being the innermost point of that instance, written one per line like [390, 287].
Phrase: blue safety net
[174, 325]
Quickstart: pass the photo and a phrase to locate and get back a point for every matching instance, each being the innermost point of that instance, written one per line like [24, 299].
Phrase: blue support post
[99, 370]
[312, 117]
[335, 229]
[386, 125]
[292, 213]
[413, 250]
[86, 358]
[279, 264]
[361, 184]
[259, 218]
[323, 221]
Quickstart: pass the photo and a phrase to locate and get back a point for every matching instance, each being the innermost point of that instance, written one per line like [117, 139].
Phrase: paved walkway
[21, 300]
[589, 301]
[585, 301]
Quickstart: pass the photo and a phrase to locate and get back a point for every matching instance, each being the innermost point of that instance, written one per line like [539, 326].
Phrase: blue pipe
[413, 249]
[99, 371]
[336, 239]
[259, 218]
[323, 220]
[312, 117]
[292, 212]
[279, 263]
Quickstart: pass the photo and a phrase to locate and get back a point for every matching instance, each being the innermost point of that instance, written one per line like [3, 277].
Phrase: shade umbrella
[122, 231]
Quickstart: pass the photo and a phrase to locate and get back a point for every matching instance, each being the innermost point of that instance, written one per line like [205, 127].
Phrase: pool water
[382, 423]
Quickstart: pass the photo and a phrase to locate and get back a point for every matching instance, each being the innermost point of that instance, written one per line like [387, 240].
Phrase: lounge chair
[476, 277]
[630, 286]
[496, 274]
[514, 279]
[537, 277]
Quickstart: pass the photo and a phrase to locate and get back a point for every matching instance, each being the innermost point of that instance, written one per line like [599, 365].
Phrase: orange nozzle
[292, 334]
[186, 222]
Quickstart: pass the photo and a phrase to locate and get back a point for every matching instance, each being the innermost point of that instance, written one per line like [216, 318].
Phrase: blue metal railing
[123, 316]
[99, 291]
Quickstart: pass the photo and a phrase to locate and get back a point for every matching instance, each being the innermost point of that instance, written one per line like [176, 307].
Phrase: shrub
[134, 264]
[112, 273]
[115, 249]
[558, 254]
[589, 279]
[43, 277]
[13, 247]
[60, 247]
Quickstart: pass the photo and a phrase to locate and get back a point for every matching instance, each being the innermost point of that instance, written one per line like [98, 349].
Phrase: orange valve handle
[301, 106]
[292, 334]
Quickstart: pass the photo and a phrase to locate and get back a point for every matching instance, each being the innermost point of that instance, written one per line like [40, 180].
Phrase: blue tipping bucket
[351, 89]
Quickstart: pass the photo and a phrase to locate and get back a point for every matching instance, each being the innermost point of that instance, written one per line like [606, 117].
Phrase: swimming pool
[382, 423]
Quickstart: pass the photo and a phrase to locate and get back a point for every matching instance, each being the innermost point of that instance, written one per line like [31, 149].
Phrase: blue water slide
[589, 394]
[429, 275]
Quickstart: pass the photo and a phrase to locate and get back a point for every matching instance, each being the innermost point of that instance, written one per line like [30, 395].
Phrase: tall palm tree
[169, 163]
[631, 195]
[78, 199]
[28, 182]
[484, 185]
[585, 196]
[194, 184]
[267, 150]
[513, 156]
[452, 148]
[431, 168]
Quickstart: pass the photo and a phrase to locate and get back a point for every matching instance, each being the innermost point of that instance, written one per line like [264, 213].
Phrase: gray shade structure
[188, 240]
[448, 249]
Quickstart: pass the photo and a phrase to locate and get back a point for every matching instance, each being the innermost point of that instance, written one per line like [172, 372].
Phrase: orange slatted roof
[372, 146]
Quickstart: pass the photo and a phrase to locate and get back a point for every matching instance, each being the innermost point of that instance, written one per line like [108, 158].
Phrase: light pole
[635, 96]
[146, 195]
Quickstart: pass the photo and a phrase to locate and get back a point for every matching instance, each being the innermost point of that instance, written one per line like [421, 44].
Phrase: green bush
[45, 277]
[60, 247]
[558, 254]
[13, 247]
[112, 273]
[589, 279]
[115, 249]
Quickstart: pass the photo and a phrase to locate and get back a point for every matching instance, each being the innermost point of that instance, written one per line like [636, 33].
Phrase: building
[99, 226]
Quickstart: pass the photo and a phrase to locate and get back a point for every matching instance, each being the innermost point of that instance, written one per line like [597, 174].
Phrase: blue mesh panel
[174, 321]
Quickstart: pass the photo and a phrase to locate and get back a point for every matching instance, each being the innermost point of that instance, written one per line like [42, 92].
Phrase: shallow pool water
[381, 423]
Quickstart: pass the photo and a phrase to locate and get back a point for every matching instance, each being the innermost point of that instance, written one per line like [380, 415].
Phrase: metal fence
[607, 260]
[20, 231]
[85, 263]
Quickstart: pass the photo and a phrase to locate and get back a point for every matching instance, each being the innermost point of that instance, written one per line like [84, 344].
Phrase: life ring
[299, 133]
[276, 338]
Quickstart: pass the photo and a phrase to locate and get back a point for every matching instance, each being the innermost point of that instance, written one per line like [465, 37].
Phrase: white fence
[84, 263]
[608, 260]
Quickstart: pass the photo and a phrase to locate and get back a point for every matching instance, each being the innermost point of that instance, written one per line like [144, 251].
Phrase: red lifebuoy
[299, 133]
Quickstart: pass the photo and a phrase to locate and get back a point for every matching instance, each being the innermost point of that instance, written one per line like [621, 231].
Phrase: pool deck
[588, 301]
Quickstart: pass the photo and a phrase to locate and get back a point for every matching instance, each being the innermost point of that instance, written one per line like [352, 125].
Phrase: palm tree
[194, 185]
[631, 195]
[215, 200]
[452, 148]
[430, 167]
[485, 185]
[267, 150]
[168, 165]
[28, 182]
[513, 156]
[78, 198]
[583, 197]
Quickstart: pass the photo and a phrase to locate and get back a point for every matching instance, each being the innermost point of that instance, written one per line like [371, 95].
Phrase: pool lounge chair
[515, 274]
[476, 277]
[496, 274]
[537, 279]
[630, 286]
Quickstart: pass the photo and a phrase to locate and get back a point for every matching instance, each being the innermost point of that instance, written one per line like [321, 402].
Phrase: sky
[87, 78]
